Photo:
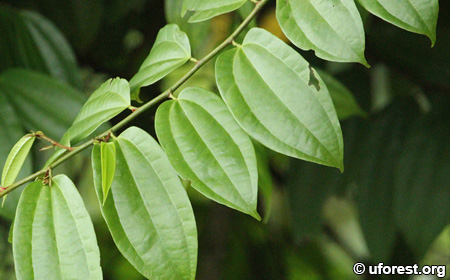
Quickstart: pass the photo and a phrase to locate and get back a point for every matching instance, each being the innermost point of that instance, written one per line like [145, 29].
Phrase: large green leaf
[422, 203]
[43, 102]
[53, 235]
[148, 211]
[170, 51]
[10, 131]
[16, 159]
[379, 147]
[111, 98]
[333, 28]
[309, 186]
[31, 41]
[419, 16]
[206, 9]
[266, 85]
[206, 145]
[343, 100]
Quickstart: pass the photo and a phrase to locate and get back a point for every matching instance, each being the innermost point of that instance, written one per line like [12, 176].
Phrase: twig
[74, 151]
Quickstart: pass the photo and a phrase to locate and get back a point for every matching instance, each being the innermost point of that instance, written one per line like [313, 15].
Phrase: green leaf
[265, 181]
[79, 20]
[53, 236]
[16, 159]
[265, 84]
[148, 211]
[308, 188]
[108, 165]
[378, 150]
[333, 28]
[10, 131]
[206, 9]
[170, 51]
[418, 16]
[206, 145]
[11, 234]
[343, 100]
[422, 204]
[111, 98]
[43, 102]
[197, 33]
[31, 41]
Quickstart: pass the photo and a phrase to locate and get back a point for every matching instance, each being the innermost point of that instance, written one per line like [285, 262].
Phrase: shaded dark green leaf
[31, 41]
[43, 102]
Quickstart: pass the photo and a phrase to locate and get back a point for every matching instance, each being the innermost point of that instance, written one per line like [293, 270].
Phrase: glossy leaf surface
[206, 9]
[419, 16]
[333, 29]
[53, 236]
[170, 50]
[108, 165]
[206, 145]
[111, 98]
[267, 87]
[148, 211]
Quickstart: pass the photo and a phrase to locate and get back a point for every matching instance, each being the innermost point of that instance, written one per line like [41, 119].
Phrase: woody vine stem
[167, 94]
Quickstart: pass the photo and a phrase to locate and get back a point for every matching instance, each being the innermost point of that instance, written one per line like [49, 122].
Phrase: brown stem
[54, 143]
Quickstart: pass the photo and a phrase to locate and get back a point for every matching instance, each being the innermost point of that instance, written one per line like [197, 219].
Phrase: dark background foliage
[391, 205]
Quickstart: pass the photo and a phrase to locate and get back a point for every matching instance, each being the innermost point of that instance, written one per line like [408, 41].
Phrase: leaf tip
[255, 215]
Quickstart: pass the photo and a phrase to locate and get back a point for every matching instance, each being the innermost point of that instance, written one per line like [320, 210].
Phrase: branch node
[234, 43]
[170, 94]
[41, 135]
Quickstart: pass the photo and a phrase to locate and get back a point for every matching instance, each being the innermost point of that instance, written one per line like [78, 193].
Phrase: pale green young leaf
[111, 98]
[206, 146]
[53, 236]
[267, 87]
[16, 159]
[333, 29]
[170, 50]
[206, 9]
[148, 211]
[418, 16]
[343, 100]
[108, 164]
[10, 131]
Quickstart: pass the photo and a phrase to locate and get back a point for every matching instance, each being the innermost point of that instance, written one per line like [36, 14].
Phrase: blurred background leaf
[390, 204]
